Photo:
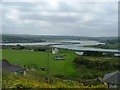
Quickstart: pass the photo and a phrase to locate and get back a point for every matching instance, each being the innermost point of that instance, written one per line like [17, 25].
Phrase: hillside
[30, 81]
[41, 59]
[42, 38]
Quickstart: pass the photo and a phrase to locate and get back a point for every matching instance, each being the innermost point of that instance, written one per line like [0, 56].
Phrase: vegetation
[42, 38]
[20, 39]
[110, 43]
[106, 46]
[31, 81]
[42, 59]
[92, 53]
[27, 47]
[84, 71]
[96, 67]
[73, 72]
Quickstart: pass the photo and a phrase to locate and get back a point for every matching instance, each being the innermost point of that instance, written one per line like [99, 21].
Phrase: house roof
[7, 67]
[5, 63]
[112, 78]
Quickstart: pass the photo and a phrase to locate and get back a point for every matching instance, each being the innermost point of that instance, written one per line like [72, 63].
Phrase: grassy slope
[31, 81]
[114, 60]
[56, 67]
[64, 67]
[85, 71]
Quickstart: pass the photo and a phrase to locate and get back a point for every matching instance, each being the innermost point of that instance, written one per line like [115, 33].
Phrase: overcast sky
[60, 18]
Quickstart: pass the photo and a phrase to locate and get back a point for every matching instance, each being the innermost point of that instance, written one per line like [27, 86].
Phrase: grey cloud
[52, 18]
[90, 19]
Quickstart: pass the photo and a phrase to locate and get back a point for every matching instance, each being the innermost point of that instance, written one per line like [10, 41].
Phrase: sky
[73, 18]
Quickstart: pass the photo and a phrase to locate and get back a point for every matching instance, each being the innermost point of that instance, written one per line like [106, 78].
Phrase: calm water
[83, 43]
[78, 46]
[42, 43]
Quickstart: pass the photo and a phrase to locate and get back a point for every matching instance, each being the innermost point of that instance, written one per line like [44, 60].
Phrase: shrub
[96, 65]
[92, 53]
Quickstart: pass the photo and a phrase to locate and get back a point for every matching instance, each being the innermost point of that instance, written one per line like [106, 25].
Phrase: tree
[92, 53]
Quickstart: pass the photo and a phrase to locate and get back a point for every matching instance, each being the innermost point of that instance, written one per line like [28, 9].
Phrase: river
[69, 44]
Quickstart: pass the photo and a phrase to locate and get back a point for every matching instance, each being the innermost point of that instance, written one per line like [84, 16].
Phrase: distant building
[117, 55]
[55, 51]
[7, 67]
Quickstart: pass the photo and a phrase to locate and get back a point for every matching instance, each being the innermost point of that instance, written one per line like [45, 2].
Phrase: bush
[40, 49]
[96, 65]
[92, 53]
[20, 82]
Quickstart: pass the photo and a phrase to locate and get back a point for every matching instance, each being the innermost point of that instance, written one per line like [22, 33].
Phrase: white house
[55, 51]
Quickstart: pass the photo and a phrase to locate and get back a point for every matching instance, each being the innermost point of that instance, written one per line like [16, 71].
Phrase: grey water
[69, 44]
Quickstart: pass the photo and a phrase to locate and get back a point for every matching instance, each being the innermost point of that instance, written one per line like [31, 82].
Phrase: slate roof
[7, 67]
[112, 78]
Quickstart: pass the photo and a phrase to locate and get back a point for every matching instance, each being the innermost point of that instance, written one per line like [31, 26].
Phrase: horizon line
[58, 35]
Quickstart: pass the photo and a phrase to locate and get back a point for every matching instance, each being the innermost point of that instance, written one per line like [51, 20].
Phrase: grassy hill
[84, 72]
[38, 59]
[39, 38]
[41, 59]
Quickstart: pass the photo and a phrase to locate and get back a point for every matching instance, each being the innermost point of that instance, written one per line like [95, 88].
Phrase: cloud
[60, 18]
[60, 1]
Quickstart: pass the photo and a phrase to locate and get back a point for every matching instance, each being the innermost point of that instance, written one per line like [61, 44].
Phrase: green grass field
[56, 67]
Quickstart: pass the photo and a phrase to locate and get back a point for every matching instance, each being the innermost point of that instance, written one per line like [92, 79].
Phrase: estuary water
[69, 44]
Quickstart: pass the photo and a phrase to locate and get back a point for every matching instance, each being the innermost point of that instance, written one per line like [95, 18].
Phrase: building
[117, 55]
[112, 79]
[55, 51]
[7, 67]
